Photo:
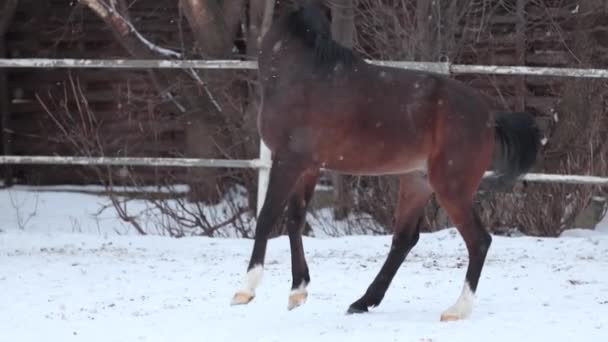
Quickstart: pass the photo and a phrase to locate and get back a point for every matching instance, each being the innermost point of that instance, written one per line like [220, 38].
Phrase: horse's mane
[310, 24]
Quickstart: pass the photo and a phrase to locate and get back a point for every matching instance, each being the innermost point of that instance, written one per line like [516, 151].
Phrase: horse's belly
[371, 162]
[357, 149]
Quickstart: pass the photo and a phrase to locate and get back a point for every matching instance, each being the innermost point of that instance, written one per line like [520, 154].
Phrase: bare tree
[214, 25]
[166, 210]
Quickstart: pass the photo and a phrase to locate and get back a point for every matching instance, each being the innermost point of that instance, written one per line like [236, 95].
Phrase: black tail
[518, 142]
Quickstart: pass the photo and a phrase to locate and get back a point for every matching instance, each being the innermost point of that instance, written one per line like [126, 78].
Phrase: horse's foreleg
[296, 218]
[284, 174]
[414, 193]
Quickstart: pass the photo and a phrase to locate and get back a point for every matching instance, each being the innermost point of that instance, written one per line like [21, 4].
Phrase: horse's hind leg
[455, 185]
[478, 242]
[284, 174]
[414, 193]
[296, 218]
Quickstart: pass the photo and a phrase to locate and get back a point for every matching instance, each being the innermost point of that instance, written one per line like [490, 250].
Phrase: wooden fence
[262, 164]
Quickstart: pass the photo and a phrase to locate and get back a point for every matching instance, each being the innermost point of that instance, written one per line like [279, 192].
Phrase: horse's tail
[517, 143]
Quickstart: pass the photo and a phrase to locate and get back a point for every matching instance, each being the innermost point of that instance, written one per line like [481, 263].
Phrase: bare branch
[134, 42]
[200, 81]
[208, 26]
[127, 34]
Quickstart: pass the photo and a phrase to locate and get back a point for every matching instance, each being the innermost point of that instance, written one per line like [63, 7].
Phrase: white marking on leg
[254, 278]
[250, 283]
[463, 306]
[297, 296]
[300, 289]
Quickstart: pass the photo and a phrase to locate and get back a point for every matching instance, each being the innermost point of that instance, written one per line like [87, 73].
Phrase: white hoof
[297, 297]
[463, 307]
[252, 280]
[241, 298]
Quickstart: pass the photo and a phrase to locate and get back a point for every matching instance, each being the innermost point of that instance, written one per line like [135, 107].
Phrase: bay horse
[325, 107]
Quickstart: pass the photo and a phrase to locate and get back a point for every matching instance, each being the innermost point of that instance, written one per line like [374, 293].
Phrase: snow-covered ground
[66, 275]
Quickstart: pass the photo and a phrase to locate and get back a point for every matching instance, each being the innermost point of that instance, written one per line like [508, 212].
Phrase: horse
[325, 107]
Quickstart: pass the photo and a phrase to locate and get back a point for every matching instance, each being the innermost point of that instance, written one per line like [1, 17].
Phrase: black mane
[310, 24]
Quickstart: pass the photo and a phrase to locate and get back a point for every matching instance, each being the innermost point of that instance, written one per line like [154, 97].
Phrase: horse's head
[309, 21]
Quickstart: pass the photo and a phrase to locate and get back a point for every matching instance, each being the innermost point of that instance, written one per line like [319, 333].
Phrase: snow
[90, 283]
[82, 209]
[57, 209]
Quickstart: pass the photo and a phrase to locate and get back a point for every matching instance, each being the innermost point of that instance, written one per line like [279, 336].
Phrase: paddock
[74, 282]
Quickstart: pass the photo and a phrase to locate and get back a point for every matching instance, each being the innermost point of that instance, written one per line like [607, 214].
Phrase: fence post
[263, 175]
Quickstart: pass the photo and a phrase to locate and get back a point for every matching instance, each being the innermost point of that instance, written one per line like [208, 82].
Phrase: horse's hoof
[452, 315]
[463, 307]
[241, 298]
[357, 308]
[296, 298]
[445, 317]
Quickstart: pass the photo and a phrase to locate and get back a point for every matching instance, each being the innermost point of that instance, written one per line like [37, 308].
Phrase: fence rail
[440, 67]
[263, 162]
[557, 178]
[135, 161]
[241, 163]
[67, 63]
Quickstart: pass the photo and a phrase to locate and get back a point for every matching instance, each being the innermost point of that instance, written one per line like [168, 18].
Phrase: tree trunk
[214, 25]
[343, 22]
[423, 42]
